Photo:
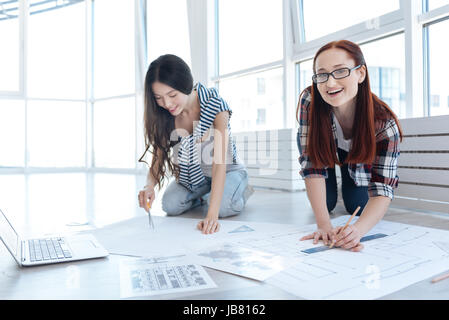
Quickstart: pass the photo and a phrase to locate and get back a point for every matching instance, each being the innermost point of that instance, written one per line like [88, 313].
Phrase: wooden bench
[423, 166]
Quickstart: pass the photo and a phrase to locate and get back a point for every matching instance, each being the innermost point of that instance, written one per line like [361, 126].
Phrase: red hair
[370, 110]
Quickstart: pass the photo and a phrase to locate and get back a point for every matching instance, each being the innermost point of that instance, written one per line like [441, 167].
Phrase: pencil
[347, 224]
[444, 276]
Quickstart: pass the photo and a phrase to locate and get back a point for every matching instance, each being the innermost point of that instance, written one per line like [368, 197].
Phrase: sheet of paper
[242, 261]
[387, 264]
[145, 277]
[171, 235]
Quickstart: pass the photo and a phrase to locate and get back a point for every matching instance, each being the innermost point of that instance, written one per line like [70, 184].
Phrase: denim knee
[172, 206]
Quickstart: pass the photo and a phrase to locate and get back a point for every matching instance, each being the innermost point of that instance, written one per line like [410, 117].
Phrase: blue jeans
[178, 199]
[353, 196]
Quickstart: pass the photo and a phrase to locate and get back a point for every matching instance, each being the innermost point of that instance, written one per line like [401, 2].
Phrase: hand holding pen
[146, 198]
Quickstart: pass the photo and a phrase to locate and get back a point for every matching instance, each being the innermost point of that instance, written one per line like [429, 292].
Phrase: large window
[256, 100]
[57, 53]
[56, 133]
[433, 4]
[12, 133]
[168, 29]
[115, 133]
[386, 69]
[114, 52]
[251, 37]
[325, 16]
[9, 52]
[438, 99]
[250, 33]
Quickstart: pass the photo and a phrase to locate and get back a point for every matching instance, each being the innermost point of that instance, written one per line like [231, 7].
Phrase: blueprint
[407, 254]
[145, 277]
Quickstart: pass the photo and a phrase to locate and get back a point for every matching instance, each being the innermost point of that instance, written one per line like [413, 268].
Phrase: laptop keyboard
[48, 249]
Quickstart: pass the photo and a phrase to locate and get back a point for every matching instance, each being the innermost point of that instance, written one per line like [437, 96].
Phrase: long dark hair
[159, 123]
[370, 112]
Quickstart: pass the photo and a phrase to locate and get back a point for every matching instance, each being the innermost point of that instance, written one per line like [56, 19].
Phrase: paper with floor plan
[407, 255]
[145, 277]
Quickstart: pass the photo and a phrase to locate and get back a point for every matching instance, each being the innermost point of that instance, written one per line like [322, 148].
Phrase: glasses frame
[314, 77]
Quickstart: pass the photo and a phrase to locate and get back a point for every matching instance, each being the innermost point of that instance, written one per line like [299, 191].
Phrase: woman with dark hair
[188, 133]
[342, 122]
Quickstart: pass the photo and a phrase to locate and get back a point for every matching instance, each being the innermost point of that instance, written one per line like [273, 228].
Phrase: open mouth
[173, 110]
[333, 93]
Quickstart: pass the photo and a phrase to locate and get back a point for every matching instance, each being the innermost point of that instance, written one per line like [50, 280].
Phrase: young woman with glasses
[187, 131]
[342, 122]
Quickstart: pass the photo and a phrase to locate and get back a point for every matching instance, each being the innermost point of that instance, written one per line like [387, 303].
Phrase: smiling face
[168, 98]
[338, 92]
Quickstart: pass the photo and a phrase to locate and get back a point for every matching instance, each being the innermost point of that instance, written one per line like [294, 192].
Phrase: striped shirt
[190, 159]
[380, 176]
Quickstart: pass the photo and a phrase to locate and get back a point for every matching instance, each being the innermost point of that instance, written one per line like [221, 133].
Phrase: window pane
[114, 61]
[122, 189]
[115, 133]
[386, 70]
[305, 75]
[9, 53]
[56, 200]
[256, 100]
[327, 16]
[57, 56]
[56, 134]
[250, 33]
[433, 4]
[12, 133]
[438, 69]
[175, 36]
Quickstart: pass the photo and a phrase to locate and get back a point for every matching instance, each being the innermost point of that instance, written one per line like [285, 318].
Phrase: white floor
[68, 202]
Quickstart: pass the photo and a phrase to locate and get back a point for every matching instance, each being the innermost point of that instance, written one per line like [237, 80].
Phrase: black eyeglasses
[337, 74]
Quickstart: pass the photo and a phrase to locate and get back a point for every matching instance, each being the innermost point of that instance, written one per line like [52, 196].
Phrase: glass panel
[13, 203]
[256, 100]
[327, 16]
[250, 33]
[57, 52]
[175, 36]
[56, 134]
[113, 204]
[433, 4]
[115, 133]
[438, 69]
[56, 200]
[12, 133]
[386, 70]
[9, 53]
[114, 52]
[305, 75]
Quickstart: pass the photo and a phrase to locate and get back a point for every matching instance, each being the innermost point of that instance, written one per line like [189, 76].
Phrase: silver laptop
[31, 252]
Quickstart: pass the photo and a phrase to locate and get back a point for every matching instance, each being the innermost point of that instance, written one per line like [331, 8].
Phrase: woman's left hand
[209, 225]
[349, 238]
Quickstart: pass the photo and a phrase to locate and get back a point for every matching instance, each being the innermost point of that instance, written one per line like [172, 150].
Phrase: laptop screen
[8, 234]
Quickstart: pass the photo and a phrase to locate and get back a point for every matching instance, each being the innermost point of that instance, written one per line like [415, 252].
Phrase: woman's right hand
[146, 197]
[326, 233]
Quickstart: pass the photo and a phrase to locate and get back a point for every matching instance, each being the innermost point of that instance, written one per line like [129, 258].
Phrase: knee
[352, 204]
[231, 208]
[171, 205]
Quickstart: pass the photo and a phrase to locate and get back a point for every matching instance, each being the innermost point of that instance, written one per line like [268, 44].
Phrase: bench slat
[427, 176]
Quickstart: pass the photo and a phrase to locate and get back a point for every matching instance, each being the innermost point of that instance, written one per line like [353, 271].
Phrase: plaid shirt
[380, 176]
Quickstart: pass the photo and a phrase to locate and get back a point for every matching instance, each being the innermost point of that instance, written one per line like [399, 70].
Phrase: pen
[347, 224]
[150, 221]
[444, 276]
